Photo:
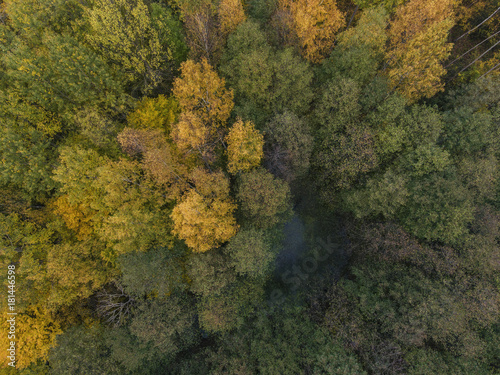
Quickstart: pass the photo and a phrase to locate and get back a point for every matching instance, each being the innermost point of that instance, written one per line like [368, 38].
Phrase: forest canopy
[250, 187]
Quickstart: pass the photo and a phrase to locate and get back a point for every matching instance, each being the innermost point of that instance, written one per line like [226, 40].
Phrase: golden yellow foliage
[154, 113]
[190, 132]
[77, 217]
[201, 91]
[244, 147]
[204, 216]
[35, 334]
[315, 23]
[231, 14]
[416, 66]
[417, 16]
[418, 43]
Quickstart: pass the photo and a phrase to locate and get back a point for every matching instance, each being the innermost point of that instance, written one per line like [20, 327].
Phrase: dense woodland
[154, 153]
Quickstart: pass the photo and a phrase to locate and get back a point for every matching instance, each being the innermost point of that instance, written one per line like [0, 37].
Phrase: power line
[478, 25]
[477, 45]
[492, 69]
[484, 53]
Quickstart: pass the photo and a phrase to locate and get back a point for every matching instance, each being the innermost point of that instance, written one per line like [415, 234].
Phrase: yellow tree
[77, 217]
[201, 91]
[204, 218]
[315, 23]
[154, 113]
[416, 68]
[231, 14]
[418, 43]
[244, 147]
[190, 132]
[416, 16]
[35, 333]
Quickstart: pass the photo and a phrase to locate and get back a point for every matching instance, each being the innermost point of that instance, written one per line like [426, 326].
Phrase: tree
[36, 331]
[264, 200]
[315, 23]
[425, 159]
[343, 158]
[160, 159]
[190, 133]
[418, 44]
[200, 90]
[231, 14]
[157, 272]
[208, 24]
[360, 49]
[246, 63]
[388, 4]
[209, 273]
[250, 252]
[439, 208]
[342, 99]
[98, 127]
[203, 217]
[383, 195]
[136, 217]
[415, 69]
[125, 33]
[202, 28]
[289, 144]
[26, 161]
[51, 81]
[244, 146]
[75, 271]
[168, 325]
[284, 342]
[82, 350]
[265, 81]
[77, 217]
[25, 244]
[154, 113]
[228, 309]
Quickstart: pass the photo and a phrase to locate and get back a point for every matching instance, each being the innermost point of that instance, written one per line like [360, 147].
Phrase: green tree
[51, 81]
[136, 216]
[167, 325]
[251, 253]
[439, 208]
[264, 200]
[157, 272]
[134, 38]
[26, 245]
[27, 159]
[288, 148]
[209, 273]
[265, 81]
[360, 49]
[82, 350]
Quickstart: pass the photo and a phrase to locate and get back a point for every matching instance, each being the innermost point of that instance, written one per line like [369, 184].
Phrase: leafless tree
[114, 305]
